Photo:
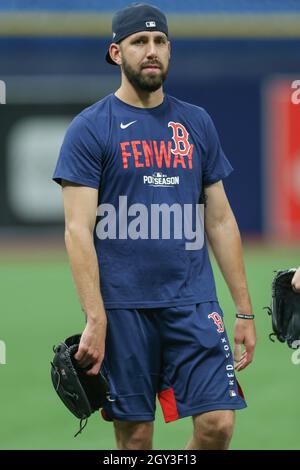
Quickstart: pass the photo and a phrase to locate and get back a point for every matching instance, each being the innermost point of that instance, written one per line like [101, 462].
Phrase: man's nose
[152, 49]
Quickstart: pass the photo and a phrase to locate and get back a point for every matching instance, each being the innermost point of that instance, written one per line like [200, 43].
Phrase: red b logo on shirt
[217, 321]
[180, 137]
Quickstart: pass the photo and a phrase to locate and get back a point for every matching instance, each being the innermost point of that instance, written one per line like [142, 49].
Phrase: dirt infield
[22, 245]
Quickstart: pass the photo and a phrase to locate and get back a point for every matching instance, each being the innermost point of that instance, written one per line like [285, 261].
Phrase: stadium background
[237, 59]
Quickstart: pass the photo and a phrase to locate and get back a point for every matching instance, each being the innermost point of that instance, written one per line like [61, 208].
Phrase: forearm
[84, 265]
[225, 241]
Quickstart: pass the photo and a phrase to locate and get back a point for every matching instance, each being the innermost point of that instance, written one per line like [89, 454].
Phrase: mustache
[152, 64]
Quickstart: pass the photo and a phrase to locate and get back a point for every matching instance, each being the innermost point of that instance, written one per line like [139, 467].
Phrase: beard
[149, 82]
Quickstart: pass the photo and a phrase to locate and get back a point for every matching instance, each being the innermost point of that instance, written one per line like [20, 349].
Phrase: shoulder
[194, 111]
[99, 110]
[92, 122]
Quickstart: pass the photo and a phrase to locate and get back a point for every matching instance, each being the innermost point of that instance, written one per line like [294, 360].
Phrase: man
[296, 281]
[154, 325]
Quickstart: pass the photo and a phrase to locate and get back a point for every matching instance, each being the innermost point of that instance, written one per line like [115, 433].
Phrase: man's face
[145, 59]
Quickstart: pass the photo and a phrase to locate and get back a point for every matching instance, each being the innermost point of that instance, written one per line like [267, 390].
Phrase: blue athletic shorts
[179, 354]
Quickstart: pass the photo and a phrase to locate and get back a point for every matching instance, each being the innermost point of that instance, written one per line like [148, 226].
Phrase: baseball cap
[134, 18]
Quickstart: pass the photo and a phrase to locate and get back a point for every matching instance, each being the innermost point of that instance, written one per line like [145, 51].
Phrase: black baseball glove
[81, 393]
[285, 309]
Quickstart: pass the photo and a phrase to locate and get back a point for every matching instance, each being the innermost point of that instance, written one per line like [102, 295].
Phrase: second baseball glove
[285, 309]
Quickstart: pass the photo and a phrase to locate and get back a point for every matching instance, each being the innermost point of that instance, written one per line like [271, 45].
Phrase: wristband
[245, 316]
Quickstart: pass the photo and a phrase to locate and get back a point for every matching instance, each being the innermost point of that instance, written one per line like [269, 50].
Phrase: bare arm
[80, 205]
[224, 237]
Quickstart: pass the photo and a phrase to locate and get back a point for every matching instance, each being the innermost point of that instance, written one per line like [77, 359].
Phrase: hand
[296, 281]
[244, 334]
[92, 346]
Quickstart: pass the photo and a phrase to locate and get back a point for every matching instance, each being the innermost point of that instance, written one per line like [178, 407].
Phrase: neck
[139, 98]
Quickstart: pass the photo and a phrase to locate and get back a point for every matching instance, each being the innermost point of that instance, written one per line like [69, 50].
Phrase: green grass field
[39, 308]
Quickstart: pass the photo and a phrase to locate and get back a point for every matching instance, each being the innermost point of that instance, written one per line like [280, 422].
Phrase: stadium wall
[59, 73]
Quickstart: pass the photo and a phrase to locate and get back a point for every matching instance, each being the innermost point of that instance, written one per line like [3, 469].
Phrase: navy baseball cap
[134, 18]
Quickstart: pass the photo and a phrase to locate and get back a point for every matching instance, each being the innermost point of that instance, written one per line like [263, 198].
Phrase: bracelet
[245, 316]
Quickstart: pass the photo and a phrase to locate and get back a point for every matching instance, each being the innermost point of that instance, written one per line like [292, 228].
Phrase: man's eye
[139, 41]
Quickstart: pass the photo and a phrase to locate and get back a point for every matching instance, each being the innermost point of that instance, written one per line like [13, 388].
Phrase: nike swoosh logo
[124, 126]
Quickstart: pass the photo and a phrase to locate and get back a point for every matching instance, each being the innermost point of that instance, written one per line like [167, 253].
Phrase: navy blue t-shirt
[150, 167]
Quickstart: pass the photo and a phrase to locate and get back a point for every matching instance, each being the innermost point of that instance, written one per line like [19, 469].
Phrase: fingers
[237, 352]
[239, 356]
[79, 355]
[245, 358]
[87, 359]
[241, 359]
[296, 281]
[83, 357]
[95, 369]
[242, 363]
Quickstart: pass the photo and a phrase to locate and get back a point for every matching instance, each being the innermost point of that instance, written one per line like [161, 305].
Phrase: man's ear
[115, 53]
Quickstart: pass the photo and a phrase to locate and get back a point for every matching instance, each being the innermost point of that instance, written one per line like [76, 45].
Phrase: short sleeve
[80, 158]
[216, 166]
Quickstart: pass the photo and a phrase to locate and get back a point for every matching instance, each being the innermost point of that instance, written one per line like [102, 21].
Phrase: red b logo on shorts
[217, 321]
